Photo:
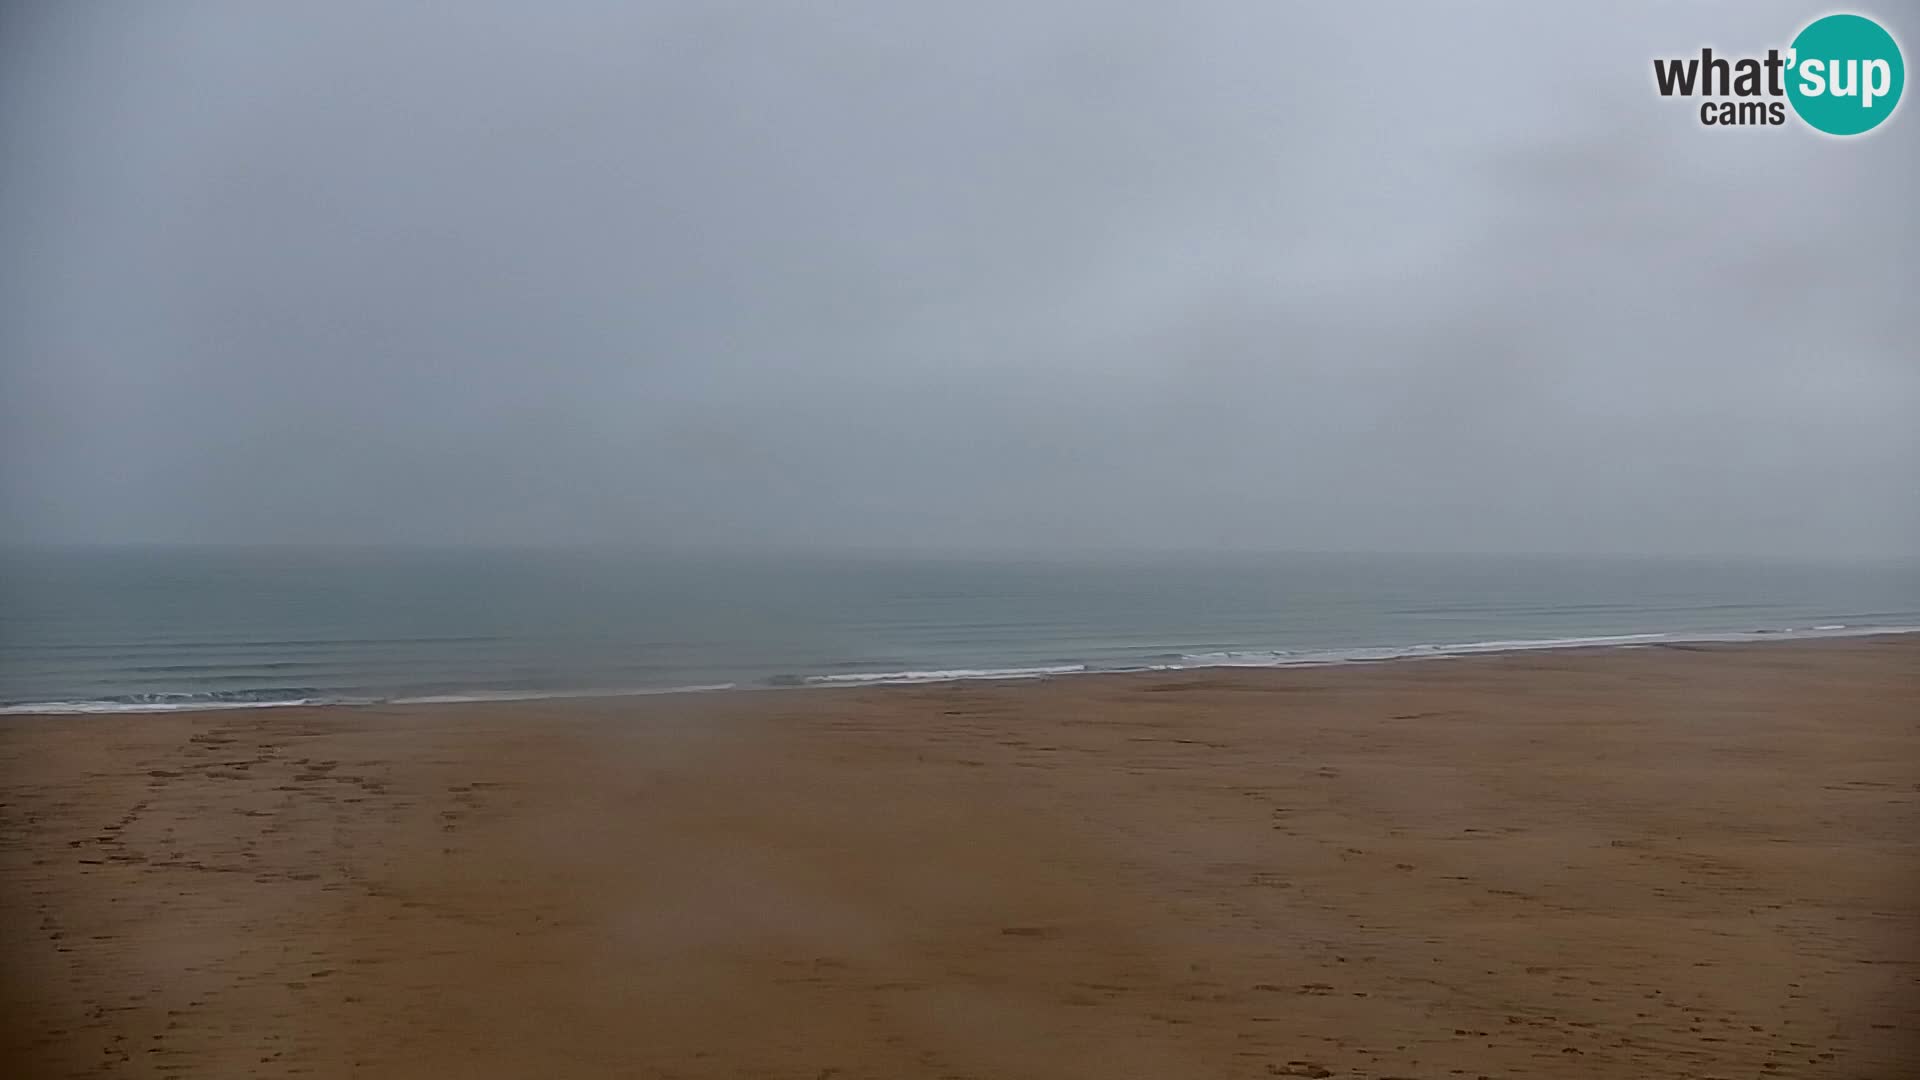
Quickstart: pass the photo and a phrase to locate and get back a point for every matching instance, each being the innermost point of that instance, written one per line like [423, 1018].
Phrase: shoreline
[1608, 862]
[1283, 660]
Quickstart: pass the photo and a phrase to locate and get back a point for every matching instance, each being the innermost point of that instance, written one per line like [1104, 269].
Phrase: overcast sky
[995, 275]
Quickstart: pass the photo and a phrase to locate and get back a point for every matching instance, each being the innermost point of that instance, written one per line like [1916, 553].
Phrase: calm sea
[124, 629]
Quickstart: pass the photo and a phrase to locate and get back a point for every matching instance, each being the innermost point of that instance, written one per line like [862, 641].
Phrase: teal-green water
[114, 629]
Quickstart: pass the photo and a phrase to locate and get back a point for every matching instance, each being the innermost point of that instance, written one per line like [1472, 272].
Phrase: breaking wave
[942, 675]
[1180, 661]
[178, 702]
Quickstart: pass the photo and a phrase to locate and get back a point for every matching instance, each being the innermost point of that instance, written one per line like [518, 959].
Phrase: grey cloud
[1001, 275]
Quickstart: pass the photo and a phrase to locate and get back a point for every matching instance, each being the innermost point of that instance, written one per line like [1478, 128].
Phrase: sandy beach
[1667, 862]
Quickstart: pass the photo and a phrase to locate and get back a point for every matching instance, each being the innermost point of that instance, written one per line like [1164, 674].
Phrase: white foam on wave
[38, 708]
[1322, 657]
[947, 675]
[58, 708]
[1525, 644]
[1303, 657]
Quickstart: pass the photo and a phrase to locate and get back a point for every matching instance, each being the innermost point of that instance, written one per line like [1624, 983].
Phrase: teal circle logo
[1845, 74]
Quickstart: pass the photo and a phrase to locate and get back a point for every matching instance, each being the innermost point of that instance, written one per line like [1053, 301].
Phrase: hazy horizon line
[968, 552]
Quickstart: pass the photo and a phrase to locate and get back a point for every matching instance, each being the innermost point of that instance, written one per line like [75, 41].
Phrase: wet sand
[1664, 862]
